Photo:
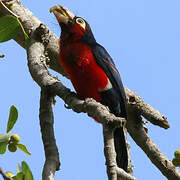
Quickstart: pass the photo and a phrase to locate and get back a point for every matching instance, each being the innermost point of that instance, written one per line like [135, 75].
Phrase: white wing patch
[108, 86]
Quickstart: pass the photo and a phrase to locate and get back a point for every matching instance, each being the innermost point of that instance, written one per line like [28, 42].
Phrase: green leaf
[4, 137]
[13, 115]
[3, 147]
[19, 176]
[19, 169]
[9, 26]
[26, 170]
[23, 148]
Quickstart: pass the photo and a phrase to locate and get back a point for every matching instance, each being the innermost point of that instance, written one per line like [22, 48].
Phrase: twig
[52, 162]
[4, 175]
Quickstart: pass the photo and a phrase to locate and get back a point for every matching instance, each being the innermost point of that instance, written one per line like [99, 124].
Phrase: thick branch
[52, 162]
[114, 173]
[138, 133]
[109, 152]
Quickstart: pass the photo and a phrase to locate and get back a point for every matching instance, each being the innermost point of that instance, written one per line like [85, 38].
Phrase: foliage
[9, 27]
[12, 141]
[23, 172]
[13, 116]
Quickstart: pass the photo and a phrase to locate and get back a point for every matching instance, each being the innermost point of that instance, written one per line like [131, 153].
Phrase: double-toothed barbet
[92, 71]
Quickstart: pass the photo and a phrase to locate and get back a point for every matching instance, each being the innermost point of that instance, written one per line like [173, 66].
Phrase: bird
[92, 72]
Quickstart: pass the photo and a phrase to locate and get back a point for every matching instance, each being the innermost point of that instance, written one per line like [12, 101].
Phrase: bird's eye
[81, 22]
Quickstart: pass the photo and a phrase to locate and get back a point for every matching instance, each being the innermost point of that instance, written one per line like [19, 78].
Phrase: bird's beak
[62, 14]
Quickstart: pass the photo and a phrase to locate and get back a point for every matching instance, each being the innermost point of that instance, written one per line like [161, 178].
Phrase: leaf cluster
[12, 141]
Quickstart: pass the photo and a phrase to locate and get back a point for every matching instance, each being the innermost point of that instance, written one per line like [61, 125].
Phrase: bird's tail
[120, 148]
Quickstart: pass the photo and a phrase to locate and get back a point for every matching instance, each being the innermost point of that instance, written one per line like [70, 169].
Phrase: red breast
[87, 77]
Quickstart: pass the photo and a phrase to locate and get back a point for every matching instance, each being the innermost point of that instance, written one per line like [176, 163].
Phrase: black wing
[105, 61]
[115, 99]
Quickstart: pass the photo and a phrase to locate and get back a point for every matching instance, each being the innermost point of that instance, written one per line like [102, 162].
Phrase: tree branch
[109, 152]
[139, 135]
[136, 104]
[52, 162]
[114, 173]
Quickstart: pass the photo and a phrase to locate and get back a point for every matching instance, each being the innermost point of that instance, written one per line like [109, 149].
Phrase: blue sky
[143, 37]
